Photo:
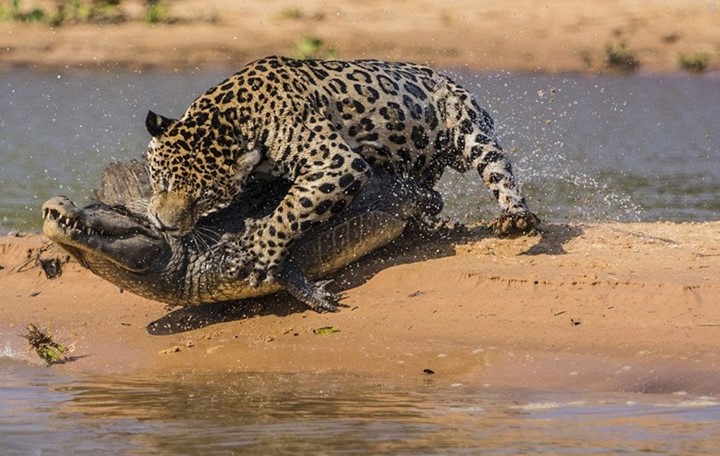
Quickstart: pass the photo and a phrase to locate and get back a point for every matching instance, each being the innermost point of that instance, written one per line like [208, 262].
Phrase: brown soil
[563, 35]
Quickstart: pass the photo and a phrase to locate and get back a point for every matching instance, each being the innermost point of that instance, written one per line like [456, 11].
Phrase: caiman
[115, 240]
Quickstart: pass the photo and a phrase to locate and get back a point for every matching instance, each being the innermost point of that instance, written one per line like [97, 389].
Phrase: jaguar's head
[197, 164]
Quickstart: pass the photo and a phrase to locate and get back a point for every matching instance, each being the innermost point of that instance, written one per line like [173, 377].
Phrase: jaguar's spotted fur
[324, 125]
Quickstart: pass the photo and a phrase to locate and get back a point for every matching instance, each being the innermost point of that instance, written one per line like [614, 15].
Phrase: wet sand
[557, 36]
[607, 307]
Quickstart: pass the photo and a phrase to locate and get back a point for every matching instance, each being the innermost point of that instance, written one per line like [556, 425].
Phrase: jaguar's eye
[203, 206]
[159, 185]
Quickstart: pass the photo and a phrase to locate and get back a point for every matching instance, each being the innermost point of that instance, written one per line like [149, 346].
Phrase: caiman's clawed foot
[509, 225]
[318, 298]
[314, 295]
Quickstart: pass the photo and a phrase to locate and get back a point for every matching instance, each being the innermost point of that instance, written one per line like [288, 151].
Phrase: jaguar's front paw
[508, 225]
[260, 274]
[243, 263]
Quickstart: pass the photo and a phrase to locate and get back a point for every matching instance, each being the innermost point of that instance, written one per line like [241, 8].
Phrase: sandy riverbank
[601, 307]
[633, 307]
[562, 35]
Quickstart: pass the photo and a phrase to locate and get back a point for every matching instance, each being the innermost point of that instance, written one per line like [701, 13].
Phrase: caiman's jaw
[101, 233]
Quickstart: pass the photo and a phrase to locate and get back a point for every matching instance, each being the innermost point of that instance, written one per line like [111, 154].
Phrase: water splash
[10, 353]
[558, 164]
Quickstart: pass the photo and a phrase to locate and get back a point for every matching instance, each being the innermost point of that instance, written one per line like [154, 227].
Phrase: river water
[249, 413]
[586, 149]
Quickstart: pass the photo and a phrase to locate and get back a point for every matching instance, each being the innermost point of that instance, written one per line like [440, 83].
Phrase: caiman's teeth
[68, 223]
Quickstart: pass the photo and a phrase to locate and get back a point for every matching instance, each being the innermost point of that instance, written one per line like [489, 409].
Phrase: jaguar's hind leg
[479, 150]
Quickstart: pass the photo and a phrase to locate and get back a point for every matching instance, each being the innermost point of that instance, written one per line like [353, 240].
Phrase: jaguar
[325, 126]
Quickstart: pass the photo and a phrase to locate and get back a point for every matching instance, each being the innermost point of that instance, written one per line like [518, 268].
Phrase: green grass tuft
[292, 13]
[620, 57]
[695, 63]
[15, 12]
[311, 47]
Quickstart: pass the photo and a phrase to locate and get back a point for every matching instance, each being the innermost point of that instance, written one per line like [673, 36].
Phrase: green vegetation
[81, 11]
[15, 12]
[311, 47]
[66, 11]
[695, 63]
[620, 57]
[45, 347]
[292, 13]
[325, 330]
[155, 12]
[295, 13]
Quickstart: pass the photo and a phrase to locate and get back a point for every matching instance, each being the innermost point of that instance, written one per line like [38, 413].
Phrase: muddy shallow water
[42, 412]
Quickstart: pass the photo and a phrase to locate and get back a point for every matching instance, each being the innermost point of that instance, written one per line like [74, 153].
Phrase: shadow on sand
[413, 246]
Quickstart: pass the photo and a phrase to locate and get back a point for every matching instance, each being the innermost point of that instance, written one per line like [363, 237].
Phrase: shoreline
[567, 37]
[603, 307]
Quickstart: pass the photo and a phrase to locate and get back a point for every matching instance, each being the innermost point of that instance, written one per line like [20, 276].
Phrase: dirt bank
[562, 35]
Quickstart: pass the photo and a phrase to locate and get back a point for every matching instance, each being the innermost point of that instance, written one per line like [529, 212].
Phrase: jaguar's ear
[246, 163]
[156, 124]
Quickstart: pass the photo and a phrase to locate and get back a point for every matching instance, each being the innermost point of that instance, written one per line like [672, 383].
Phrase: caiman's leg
[312, 294]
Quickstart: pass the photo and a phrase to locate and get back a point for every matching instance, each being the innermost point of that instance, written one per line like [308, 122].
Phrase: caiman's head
[111, 241]
[117, 241]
